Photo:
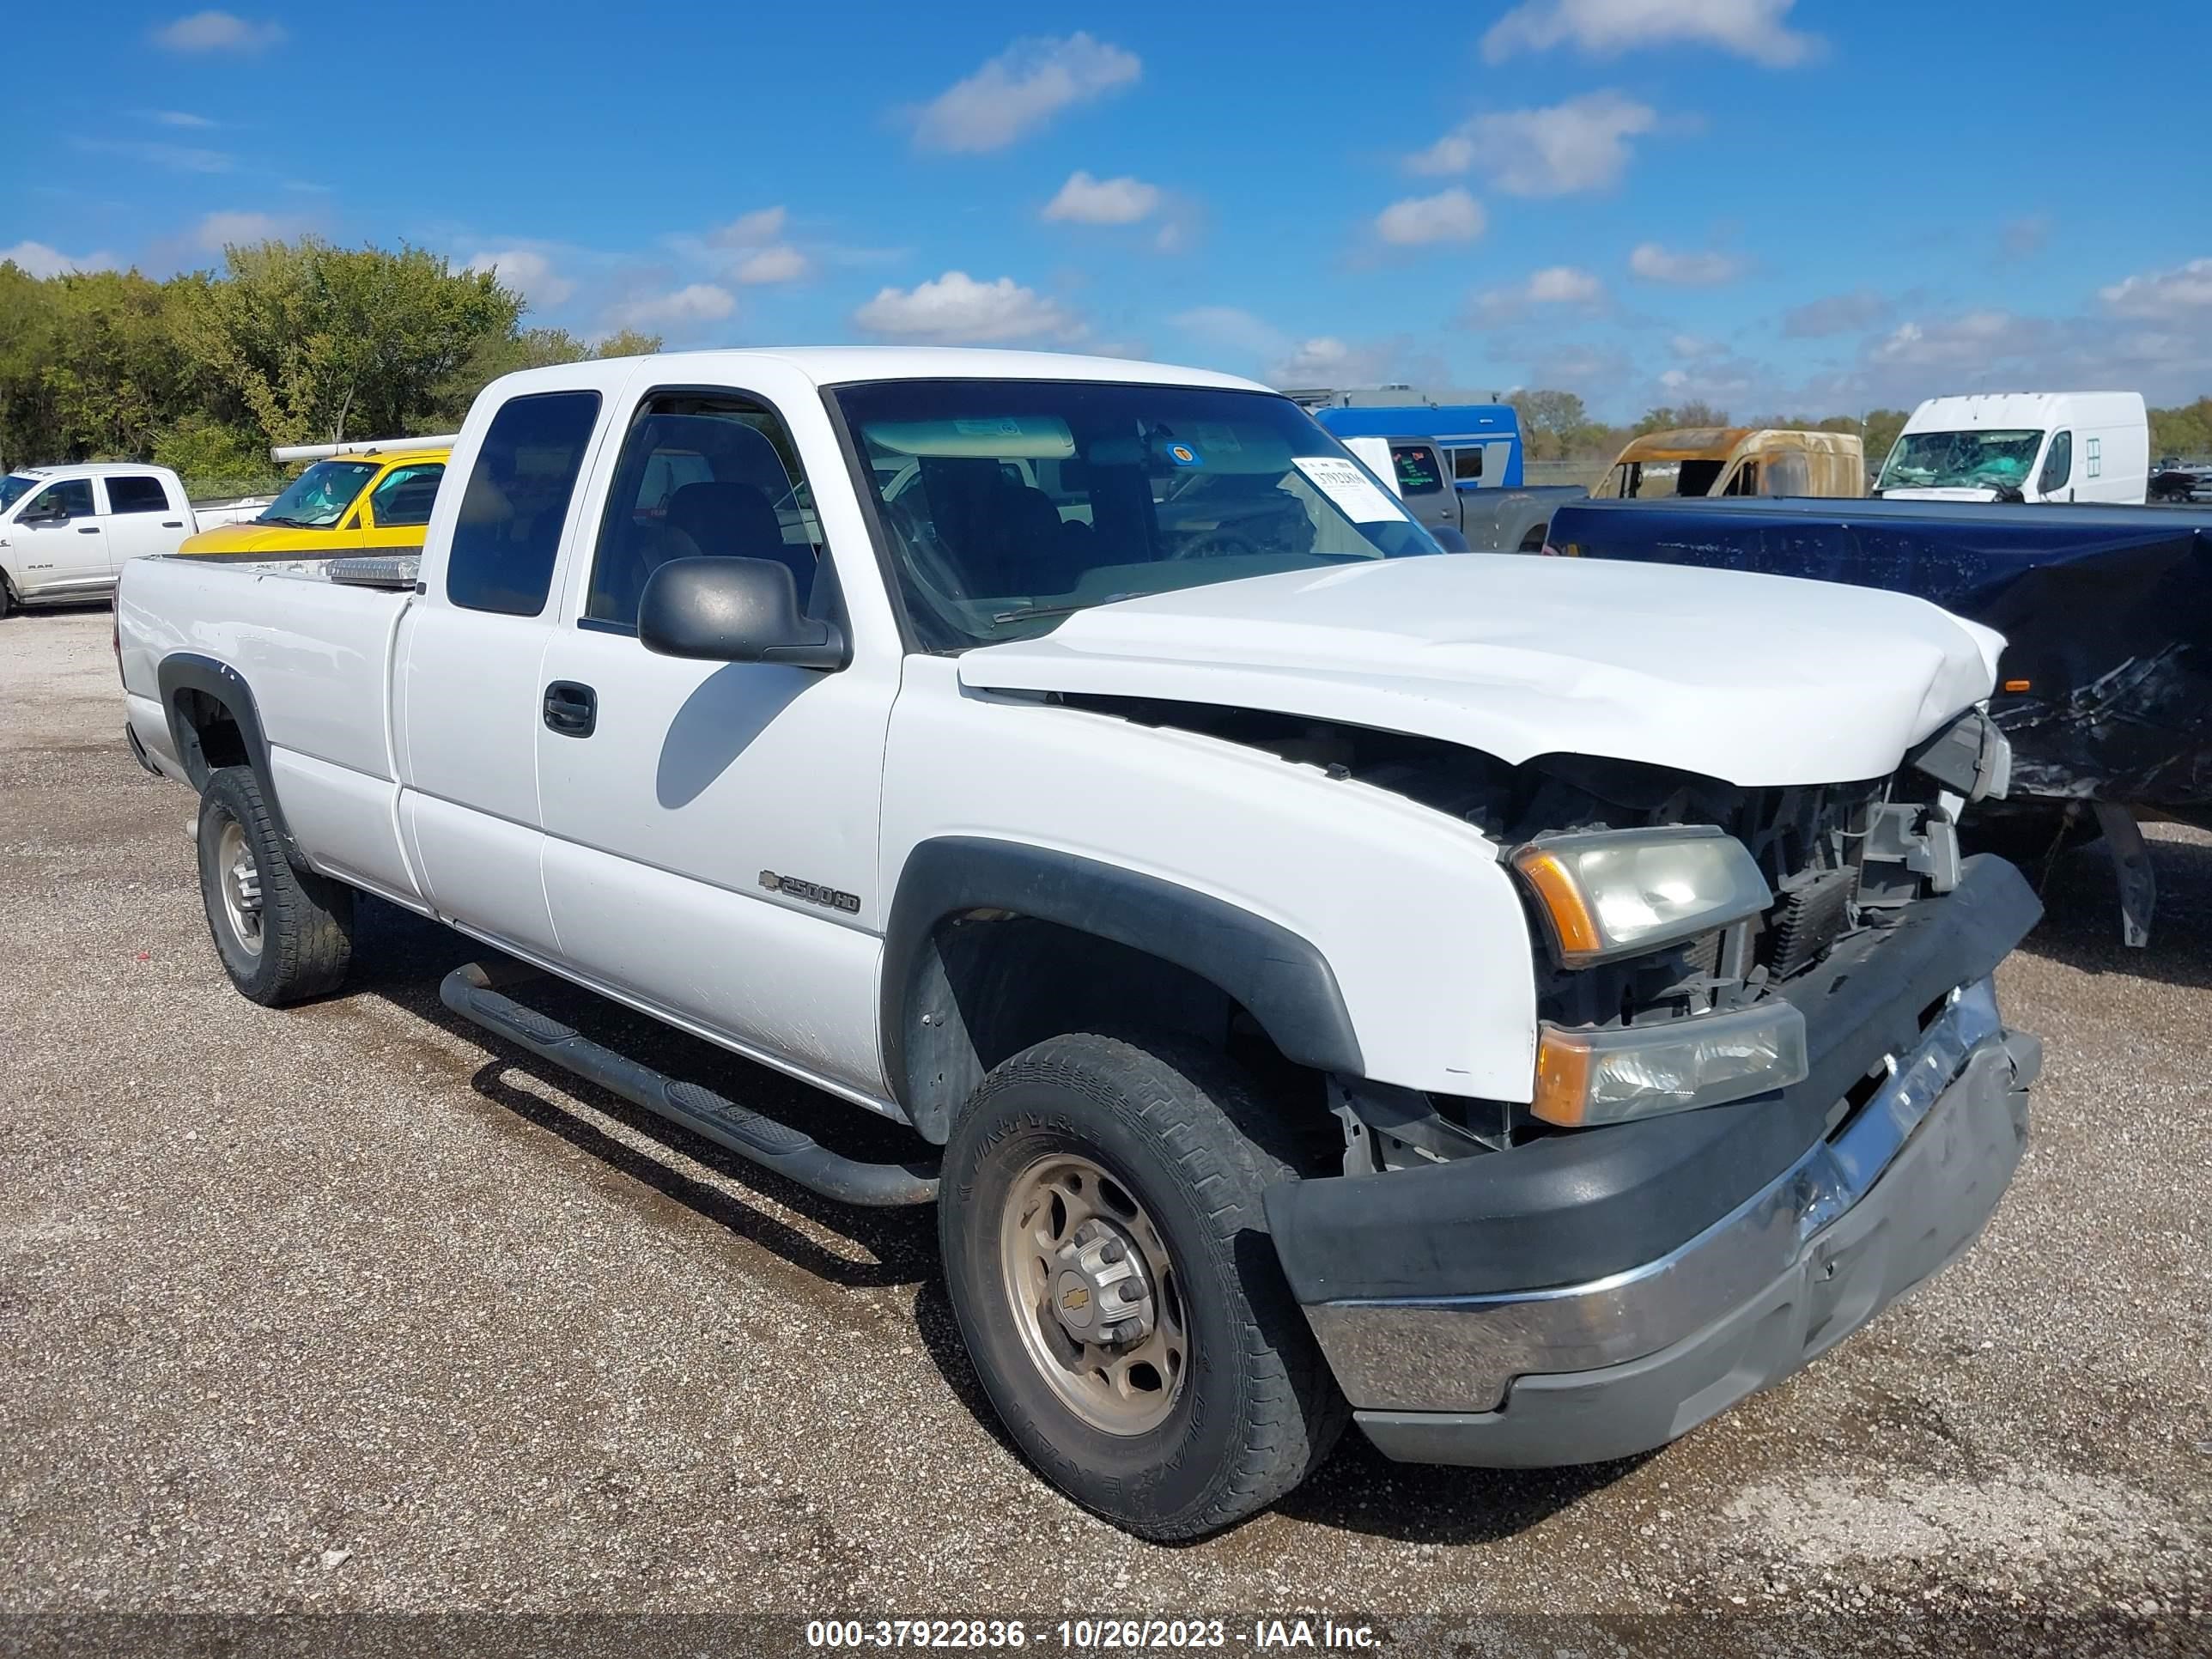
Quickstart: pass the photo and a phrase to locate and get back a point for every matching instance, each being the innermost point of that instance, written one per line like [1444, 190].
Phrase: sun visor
[996, 437]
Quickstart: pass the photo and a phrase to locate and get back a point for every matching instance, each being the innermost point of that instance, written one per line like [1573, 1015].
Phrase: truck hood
[250, 537]
[1757, 680]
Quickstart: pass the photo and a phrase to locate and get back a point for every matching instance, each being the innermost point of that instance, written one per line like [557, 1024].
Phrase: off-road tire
[306, 920]
[1178, 1127]
[9, 603]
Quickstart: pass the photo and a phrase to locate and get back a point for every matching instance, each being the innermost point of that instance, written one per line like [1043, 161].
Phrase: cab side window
[130, 493]
[405, 495]
[2057, 465]
[507, 534]
[701, 476]
[72, 496]
[1418, 472]
[1466, 465]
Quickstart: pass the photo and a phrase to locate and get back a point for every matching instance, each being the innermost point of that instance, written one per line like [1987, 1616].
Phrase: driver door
[64, 541]
[711, 828]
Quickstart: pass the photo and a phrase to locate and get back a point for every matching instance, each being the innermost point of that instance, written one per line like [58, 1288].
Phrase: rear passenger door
[468, 694]
[141, 521]
[711, 828]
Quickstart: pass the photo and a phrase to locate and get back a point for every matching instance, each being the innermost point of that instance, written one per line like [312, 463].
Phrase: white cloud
[1084, 200]
[683, 308]
[1021, 90]
[217, 31]
[1554, 285]
[955, 309]
[1565, 285]
[178, 118]
[2161, 293]
[1451, 216]
[37, 259]
[529, 271]
[755, 229]
[1326, 360]
[1756, 29]
[1580, 144]
[218, 231]
[781, 262]
[1970, 339]
[1233, 327]
[1835, 314]
[1656, 263]
[178, 158]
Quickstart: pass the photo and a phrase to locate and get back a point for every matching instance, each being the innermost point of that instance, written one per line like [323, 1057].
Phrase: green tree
[1879, 428]
[317, 341]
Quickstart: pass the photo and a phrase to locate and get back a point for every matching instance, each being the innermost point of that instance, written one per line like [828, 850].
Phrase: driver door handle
[571, 709]
[88, 529]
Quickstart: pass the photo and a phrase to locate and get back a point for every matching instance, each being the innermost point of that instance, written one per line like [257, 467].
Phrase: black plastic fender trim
[189, 671]
[1282, 980]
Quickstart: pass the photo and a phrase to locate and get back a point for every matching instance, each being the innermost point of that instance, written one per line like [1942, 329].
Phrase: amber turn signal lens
[2015, 685]
[1563, 1080]
[1562, 896]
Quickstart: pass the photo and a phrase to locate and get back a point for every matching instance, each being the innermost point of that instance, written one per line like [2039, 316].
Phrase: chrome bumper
[1462, 1354]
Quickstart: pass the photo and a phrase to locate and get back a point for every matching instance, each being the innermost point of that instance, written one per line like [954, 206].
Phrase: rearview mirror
[733, 611]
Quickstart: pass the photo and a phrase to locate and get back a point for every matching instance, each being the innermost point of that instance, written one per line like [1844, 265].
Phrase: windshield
[319, 497]
[1953, 460]
[1010, 504]
[14, 487]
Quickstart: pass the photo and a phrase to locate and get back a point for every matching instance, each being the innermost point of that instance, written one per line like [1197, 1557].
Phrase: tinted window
[1466, 465]
[137, 494]
[701, 477]
[14, 487]
[2058, 464]
[405, 495]
[71, 495]
[1418, 473]
[508, 531]
[1007, 505]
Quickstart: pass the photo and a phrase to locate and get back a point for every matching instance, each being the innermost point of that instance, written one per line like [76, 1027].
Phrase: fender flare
[189, 671]
[1281, 979]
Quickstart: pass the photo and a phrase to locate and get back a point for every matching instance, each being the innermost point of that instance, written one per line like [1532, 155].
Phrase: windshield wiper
[1030, 613]
[289, 524]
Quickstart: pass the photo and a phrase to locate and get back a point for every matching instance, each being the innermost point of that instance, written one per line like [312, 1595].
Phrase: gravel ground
[337, 1309]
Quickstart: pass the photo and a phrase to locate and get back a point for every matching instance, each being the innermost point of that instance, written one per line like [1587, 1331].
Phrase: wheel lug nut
[1114, 1250]
[1132, 1290]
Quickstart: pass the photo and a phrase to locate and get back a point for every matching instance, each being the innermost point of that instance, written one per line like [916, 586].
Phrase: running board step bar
[470, 992]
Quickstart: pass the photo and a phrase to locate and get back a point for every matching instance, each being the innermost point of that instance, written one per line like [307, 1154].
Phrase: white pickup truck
[65, 531]
[1521, 1004]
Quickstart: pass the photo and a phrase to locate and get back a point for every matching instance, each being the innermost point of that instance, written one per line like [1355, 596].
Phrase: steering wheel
[935, 576]
[1214, 544]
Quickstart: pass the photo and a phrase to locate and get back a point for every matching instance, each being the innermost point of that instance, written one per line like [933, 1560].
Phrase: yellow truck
[373, 497]
[1736, 460]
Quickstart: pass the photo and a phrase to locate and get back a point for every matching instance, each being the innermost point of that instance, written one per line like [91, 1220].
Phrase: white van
[2022, 445]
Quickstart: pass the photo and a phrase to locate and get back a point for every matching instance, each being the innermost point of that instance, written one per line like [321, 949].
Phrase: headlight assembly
[1621, 892]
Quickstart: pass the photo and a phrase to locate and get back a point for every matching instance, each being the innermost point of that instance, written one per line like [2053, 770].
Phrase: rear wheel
[8, 602]
[284, 933]
[1107, 1256]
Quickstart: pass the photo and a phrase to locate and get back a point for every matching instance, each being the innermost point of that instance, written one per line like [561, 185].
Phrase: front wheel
[1107, 1257]
[284, 933]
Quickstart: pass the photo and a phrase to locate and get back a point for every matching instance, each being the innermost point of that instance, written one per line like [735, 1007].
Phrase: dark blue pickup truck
[2106, 686]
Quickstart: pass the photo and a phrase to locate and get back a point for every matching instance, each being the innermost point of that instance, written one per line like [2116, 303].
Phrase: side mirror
[733, 611]
[1449, 539]
[46, 515]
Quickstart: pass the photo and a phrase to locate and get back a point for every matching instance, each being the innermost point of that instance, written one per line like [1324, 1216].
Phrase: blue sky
[1776, 206]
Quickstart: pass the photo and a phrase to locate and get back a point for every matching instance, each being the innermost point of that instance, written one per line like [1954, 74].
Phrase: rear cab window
[506, 536]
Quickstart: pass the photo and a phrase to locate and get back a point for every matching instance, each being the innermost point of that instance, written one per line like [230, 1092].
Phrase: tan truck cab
[1736, 460]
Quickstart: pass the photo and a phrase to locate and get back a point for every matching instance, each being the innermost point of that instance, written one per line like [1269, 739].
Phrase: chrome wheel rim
[1095, 1294]
[241, 886]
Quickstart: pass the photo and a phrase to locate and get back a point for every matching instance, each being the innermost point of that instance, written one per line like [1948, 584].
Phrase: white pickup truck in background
[65, 531]
[1519, 1005]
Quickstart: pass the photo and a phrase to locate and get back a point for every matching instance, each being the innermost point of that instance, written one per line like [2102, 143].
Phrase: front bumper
[1628, 1358]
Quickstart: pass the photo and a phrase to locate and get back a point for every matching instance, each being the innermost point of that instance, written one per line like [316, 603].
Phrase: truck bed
[319, 655]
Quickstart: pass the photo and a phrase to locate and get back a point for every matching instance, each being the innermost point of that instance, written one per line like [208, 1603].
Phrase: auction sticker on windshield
[1356, 494]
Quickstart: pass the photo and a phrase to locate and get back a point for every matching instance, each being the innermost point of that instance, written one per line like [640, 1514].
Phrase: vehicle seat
[736, 521]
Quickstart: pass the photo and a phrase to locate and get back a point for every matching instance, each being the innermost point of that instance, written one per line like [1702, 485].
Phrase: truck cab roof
[842, 365]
